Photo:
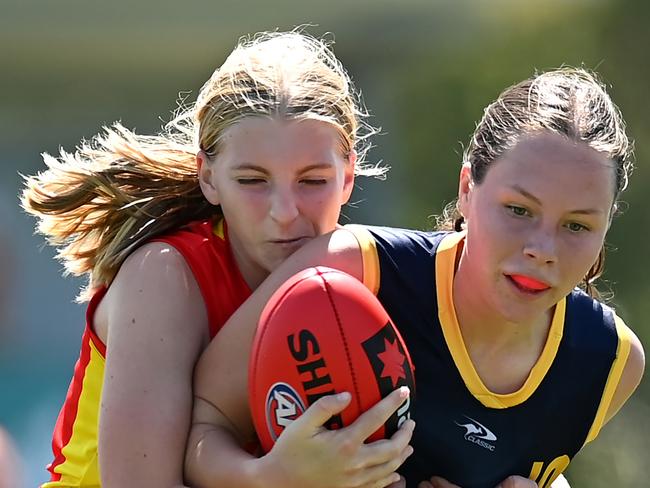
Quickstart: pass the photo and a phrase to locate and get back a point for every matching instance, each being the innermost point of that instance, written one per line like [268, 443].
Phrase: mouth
[290, 242]
[528, 284]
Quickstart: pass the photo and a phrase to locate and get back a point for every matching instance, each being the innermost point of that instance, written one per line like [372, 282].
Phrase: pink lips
[529, 283]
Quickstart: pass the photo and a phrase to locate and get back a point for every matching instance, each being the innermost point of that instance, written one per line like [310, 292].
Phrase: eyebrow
[255, 167]
[530, 196]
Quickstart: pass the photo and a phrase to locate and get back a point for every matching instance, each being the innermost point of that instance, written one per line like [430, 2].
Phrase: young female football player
[173, 232]
[516, 367]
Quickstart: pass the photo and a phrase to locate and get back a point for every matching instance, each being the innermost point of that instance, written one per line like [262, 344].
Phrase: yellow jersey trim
[615, 373]
[369, 256]
[445, 263]
[81, 467]
[217, 229]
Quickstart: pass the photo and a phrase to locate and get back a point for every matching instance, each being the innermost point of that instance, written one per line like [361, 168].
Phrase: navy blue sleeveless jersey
[464, 432]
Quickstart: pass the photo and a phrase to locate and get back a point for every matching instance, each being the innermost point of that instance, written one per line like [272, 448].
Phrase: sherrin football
[324, 332]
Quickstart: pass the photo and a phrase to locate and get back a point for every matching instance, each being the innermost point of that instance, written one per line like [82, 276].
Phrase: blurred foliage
[426, 69]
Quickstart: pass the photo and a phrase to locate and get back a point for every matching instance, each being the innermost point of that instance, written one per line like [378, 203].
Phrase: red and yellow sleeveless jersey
[205, 247]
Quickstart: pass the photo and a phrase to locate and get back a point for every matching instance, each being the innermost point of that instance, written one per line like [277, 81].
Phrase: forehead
[549, 163]
[256, 139]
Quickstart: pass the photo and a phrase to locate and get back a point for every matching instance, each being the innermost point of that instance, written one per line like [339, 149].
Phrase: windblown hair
[120, 189]
[571, 102]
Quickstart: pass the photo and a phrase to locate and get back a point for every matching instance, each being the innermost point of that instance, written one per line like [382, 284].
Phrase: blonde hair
[121, 189]
[568, 101]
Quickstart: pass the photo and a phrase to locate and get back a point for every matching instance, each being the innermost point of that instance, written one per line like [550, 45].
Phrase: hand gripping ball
[324, 332]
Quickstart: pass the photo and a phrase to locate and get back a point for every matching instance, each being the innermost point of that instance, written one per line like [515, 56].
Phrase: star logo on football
[393, 361]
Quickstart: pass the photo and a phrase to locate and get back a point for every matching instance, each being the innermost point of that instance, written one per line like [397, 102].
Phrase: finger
[439, 482]
[321, 411]
[384, 450]
[382, 471]
[425, 484]
[517, 482]
[371, 420]
[401, 483]
[392, 480]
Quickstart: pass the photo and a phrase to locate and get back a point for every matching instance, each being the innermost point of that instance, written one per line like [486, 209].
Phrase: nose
[542, 246]
[283, 206]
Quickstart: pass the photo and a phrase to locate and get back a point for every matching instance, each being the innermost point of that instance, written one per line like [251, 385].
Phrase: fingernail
[404, 391]
[344, 396]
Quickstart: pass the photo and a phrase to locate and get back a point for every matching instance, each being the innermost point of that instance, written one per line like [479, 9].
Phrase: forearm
[214, 459]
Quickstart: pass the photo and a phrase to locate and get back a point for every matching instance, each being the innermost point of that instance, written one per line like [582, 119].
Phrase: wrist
[266, 472]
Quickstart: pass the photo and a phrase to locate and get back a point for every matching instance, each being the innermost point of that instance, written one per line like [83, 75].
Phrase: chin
[515, 311]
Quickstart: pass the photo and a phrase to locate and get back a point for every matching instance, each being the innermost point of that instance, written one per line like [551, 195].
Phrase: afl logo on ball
[283, 406]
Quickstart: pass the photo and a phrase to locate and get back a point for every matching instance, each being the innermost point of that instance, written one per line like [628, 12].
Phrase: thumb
[322, 410]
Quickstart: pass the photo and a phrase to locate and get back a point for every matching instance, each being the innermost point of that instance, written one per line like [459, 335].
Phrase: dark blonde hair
[121, 189]
[571, 102]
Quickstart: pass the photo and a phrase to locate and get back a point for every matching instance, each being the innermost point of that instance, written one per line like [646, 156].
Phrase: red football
[324, 332]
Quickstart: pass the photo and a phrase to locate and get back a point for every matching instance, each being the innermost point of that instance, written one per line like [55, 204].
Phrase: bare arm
[305, 454]
[223, 367]
[155, 323]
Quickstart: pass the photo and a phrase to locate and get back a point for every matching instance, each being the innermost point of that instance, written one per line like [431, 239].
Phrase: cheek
[580, 255]
[325, 215]
[323, 201]
[244, 209]
[491, 235]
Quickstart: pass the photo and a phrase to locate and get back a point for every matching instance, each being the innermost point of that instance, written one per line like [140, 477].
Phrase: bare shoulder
[631, 374]
[156, 287]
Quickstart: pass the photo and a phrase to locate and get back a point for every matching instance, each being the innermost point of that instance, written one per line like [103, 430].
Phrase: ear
[205, 172]
[348, 177]
[465, 187]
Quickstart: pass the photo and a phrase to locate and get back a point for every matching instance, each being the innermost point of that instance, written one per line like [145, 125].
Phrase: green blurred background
[426, 70]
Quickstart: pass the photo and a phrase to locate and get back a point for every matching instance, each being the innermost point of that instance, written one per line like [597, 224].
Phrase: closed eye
[250, 181]
[313, 181]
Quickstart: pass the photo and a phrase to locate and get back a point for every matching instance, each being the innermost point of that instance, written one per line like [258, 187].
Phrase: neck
[252, 273]
[502, 352]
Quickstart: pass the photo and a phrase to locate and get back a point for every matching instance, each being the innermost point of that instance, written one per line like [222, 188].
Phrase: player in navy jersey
[517, 363]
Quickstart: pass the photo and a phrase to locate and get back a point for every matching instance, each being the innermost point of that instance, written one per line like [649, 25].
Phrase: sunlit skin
[535, 226]
[279, 183]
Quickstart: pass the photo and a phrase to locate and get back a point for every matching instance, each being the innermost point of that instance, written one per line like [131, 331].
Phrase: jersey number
[544, 476]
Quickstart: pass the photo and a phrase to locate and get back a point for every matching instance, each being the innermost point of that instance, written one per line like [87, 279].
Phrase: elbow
[191, 465]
